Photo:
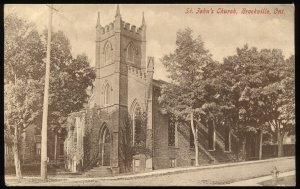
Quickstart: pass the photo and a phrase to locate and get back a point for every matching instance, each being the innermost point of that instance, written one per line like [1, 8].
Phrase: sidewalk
[255, 181]
[185, 169]
[161, 172]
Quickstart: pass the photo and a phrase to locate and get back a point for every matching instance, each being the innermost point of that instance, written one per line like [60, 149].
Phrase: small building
[30, 149]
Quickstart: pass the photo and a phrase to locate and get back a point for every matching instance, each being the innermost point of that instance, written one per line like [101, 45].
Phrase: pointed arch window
[137, 125]
[108, 53]
[172, 133]
[106, 94]
[131, 52]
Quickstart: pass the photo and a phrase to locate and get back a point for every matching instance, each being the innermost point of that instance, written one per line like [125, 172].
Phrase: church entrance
[104, 147]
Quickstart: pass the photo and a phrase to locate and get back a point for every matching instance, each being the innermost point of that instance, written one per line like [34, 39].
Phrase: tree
[256, 77]
[282, 101]
[24, 66]
[67, 79]
[23, 63]
[185, 67]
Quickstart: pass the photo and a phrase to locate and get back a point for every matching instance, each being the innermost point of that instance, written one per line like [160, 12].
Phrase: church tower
[119, 47]
[122, 79]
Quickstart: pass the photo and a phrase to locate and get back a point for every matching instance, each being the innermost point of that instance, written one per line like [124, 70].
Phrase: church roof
[158, 83]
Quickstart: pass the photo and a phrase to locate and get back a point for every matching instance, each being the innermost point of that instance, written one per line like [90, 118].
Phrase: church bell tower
[122, 78]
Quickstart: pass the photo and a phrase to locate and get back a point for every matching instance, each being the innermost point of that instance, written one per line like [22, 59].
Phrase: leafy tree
[68, 76]
[23, 62]
[181, 97]
[24, 67]
[281, 99]
[255, 77]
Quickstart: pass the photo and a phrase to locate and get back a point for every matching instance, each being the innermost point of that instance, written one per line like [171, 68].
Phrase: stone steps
[219, 155]
[99, 172]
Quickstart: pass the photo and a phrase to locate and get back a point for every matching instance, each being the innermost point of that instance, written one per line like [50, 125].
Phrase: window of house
[38, 149]
[61, 149]
[108, 54]
[172, 162]
[171, 133]
[137, 125]
[37, 131]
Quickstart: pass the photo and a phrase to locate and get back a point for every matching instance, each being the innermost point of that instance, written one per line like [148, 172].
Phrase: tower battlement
[119, 25]
[131, 28]
[108, 28]
[125, 27]
[136, 72]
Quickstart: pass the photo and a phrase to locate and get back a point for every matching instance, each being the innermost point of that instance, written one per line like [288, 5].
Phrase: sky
[221, 33]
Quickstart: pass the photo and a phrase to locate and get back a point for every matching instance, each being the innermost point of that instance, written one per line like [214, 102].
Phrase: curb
[255, 181]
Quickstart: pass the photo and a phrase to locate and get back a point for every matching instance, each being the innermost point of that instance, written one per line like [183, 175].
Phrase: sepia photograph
[149, 95]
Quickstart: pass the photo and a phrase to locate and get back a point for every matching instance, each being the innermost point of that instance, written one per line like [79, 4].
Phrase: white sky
[221, 33]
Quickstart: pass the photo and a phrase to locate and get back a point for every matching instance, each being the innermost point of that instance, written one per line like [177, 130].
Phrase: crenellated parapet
[119, 25]
[126, 29]
[131, 30]
[136, 72]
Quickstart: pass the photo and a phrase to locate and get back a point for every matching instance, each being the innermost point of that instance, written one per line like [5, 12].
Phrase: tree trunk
[16, 148]
[229, 139]
[260, 144]
[55, 147]
[214, 135]
[244, 149]
[16, 156]
[195, 135]
[280, 143]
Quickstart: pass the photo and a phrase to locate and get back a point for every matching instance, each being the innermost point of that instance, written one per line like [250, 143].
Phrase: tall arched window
[108, 53]
[106, 94]
[137, 125]
[171, 132]
[130, 53]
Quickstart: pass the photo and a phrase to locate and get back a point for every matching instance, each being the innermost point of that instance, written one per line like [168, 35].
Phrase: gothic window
[108, 54]
[171, 133]
[137, 125]
[130, 53]
[106, 136]
[106, 94]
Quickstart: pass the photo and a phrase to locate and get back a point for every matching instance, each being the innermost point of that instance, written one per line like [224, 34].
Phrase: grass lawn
[284, 181]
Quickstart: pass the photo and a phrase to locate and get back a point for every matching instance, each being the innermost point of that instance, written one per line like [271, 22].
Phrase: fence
[271, 150]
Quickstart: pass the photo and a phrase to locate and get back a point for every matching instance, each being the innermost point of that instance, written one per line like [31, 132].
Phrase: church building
[123, 128]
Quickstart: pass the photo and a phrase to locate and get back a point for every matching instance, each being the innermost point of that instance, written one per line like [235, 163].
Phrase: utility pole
[45, 105]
